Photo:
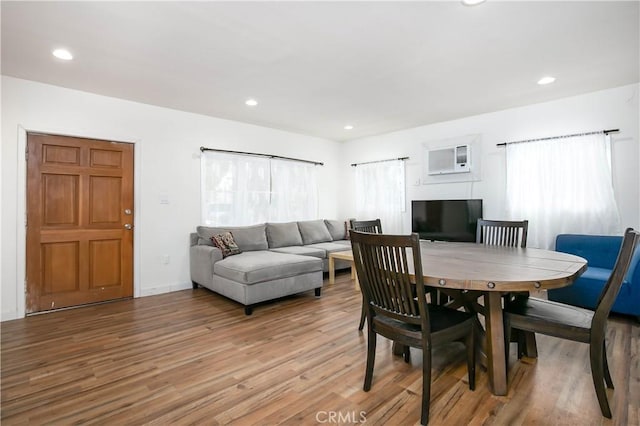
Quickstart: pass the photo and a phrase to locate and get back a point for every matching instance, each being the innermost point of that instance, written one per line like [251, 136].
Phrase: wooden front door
[79, 221]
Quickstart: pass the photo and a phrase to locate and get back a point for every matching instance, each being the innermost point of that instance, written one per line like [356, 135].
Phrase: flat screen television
[446, 220]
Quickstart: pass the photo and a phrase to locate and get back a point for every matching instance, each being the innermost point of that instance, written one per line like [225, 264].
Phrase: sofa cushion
[585, 291]
[302, 250]
[600, 250]
[314, 231]
[595, 275]
[283, 234]
[226, 244]
[330, 247]
[337, 229]
[345, 243]
[248, 238]
[258, 266]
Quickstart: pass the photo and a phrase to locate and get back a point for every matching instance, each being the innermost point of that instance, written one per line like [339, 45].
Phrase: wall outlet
[165, 259]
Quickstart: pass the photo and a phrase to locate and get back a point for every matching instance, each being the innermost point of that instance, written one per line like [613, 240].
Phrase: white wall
[607, 109]
[167, 162]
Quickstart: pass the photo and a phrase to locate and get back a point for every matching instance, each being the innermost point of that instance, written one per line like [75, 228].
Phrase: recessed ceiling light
[546, 80]
[63, 54]
[251, 102]
[348, 127]
[472, 2]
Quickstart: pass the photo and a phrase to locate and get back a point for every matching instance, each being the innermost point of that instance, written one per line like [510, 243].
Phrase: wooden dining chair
[509, 233]
[578, 324]
[385, 269]
[374, 226]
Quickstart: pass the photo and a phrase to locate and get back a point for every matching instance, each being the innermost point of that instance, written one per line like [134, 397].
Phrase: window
[245, 190]
[561, 186]
[380, 193]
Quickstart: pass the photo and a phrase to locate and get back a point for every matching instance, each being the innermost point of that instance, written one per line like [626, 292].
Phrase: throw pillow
[226, 244]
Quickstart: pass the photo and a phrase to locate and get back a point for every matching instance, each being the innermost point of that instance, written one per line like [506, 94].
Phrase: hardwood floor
[193, 357]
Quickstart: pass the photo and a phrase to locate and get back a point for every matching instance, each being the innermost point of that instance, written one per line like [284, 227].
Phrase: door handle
[128, 226]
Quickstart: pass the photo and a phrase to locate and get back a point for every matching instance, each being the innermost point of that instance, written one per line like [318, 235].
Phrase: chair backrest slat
[387, 267]
[502, 232]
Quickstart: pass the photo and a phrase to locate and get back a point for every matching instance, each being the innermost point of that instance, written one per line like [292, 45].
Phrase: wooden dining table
[477, 270]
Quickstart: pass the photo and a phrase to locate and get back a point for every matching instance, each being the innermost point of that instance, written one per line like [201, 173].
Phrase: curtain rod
[606, 132]
[380, 161]
[315, 163]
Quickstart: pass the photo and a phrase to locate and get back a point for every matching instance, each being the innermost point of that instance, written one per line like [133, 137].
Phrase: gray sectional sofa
[276, 259]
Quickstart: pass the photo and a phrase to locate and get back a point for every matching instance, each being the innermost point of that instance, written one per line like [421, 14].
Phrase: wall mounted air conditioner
[456, 159]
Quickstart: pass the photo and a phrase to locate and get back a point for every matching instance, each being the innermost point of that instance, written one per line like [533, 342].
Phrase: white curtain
[561, 186]
[380, 193]
[245, 190]
[294, 191]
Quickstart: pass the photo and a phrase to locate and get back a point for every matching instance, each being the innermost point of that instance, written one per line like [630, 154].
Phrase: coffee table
[342, 255]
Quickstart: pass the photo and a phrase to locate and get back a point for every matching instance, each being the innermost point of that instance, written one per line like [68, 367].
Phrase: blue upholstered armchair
[601, 252]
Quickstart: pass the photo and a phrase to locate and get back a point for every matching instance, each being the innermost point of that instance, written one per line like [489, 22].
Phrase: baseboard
[8, 316]
[150, 291]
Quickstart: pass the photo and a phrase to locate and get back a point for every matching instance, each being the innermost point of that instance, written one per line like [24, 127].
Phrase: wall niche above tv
[446, 220]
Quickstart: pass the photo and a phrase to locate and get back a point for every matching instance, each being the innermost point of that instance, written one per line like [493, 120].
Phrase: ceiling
[315, 67]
